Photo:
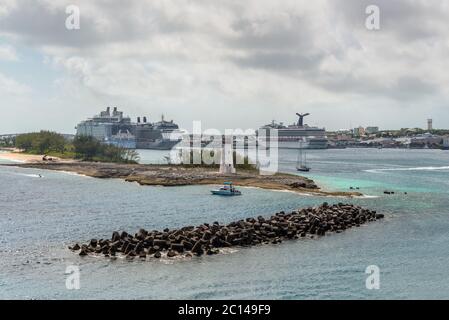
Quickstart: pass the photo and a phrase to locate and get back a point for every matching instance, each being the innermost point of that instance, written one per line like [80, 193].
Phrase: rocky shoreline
[211, 238]
[179, 175]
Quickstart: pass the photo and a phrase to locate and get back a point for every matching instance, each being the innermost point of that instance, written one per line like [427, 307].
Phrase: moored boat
[228, 189]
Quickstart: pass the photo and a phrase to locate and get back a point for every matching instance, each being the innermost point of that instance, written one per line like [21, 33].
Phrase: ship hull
[307, 145]
[157, 145]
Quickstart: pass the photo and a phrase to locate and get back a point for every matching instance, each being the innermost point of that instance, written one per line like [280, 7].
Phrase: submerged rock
[76, 247]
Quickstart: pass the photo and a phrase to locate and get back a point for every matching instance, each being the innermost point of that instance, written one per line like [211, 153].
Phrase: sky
[227, 63]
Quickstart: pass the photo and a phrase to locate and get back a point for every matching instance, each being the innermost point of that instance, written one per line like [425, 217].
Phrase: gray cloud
[406, 20]
[40, 24]
[263, 54]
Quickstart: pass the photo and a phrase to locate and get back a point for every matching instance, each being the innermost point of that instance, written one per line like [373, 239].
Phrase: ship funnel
[144, 119]
[108, 109]
[138, 119]
[115, 109]
[301, 119]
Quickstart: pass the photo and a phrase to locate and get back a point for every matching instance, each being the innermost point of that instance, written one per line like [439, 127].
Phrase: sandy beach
[22, 157]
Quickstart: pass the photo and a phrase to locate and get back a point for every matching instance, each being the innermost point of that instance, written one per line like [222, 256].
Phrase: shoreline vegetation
[84, 148]
[211, 238]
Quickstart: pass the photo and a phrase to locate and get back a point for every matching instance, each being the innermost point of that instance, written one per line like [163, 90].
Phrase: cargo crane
[301, 118]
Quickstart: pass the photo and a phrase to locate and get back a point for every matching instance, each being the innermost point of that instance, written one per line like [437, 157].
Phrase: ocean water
[40, 217]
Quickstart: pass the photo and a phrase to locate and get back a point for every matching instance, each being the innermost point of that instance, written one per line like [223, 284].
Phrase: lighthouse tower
[227, 160]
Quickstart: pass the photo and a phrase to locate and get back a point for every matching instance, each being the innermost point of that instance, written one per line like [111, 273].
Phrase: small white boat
[227, 190]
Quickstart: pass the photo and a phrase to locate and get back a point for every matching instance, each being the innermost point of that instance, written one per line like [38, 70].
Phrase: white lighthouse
[227, 159]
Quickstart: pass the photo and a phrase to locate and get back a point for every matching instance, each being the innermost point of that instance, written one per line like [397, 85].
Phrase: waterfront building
[358, 132]
[446, 142]
[426, 140]
[371, 130]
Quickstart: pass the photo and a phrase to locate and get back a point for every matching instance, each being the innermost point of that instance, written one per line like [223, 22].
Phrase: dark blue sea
[40, 217]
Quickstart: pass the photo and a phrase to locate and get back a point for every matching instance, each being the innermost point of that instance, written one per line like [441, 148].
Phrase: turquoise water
[39, 217]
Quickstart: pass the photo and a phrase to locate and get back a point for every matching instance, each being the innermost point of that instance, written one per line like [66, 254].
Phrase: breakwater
[210, 238]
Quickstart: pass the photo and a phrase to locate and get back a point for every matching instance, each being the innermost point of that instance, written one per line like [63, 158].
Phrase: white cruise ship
[289, 137]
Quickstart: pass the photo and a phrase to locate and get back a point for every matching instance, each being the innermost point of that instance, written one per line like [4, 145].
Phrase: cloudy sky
[229, 63]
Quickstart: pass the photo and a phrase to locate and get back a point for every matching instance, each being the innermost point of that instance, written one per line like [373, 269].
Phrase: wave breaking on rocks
[210, 238]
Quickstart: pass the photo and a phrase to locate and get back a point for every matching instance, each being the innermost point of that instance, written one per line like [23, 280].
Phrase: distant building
[425, 140]
[429, 124]
[371, 130]
[446, 142]
[360, 131]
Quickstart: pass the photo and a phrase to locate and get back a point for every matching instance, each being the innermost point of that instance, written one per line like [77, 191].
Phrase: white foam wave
[7, 160]
[407, 169]
[365, 196]
[31, 175]
[70, 173]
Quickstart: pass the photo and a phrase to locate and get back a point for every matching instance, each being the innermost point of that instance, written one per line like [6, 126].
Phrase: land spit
[182, 175]
[210, 238]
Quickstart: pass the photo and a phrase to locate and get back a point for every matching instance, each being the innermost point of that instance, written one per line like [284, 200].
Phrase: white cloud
[8, 53]
[9, 86]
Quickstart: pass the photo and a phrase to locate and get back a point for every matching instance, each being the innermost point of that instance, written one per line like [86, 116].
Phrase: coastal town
[406, 138]
[111, 127]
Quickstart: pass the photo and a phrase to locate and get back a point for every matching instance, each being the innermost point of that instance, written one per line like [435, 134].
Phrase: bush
[89, 149]
[240, 162]
[83, 147]
[41, 142]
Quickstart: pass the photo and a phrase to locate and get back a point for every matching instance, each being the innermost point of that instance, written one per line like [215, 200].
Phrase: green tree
[86, 147]
[41, 142]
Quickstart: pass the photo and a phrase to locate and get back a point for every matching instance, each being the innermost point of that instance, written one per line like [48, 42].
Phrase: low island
[183, 175]
[87, 156]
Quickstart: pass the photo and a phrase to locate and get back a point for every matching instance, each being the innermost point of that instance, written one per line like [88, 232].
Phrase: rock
[152, 250]
[171, 254]
[129, 257]
[141, 234]
[76, 247]
[379, 216]
[163, 244]
[187, 245]
[177, 247]
[157, 254]
[197, 249]
[130, 247]
[209, 252]
[115, 236]
[93, 243]
[83, 252]
[124, 235]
